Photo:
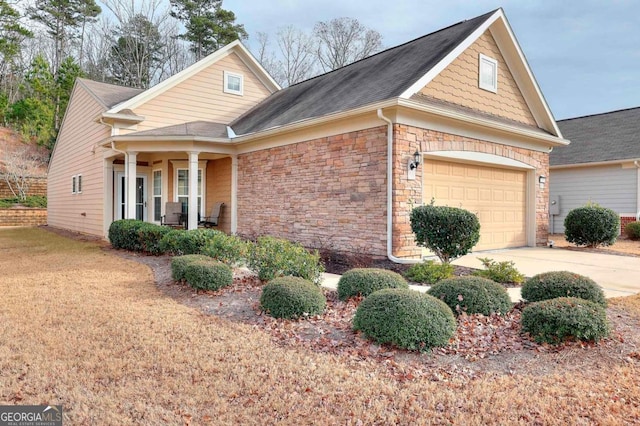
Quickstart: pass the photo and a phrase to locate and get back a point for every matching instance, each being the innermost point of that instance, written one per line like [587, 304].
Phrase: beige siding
[219, 190]
[458, 84]
[73, 155]
[201, 97]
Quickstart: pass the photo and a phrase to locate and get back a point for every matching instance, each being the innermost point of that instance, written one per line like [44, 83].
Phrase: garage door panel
[496, 196]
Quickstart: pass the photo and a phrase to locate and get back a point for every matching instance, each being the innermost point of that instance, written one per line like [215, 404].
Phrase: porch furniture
[173, 215]
[212, 220]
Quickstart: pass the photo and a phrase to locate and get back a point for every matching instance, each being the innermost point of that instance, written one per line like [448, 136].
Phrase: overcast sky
[584, 54]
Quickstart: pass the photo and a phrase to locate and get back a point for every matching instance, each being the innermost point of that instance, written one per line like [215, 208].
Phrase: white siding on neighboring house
[74, 155]
[613, 187]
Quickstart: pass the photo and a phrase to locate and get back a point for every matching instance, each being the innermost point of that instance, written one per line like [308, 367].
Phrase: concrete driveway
[617, 275]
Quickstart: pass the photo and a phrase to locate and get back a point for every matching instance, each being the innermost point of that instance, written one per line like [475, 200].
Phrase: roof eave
[128, 118]
[596, 163]
[167, 138]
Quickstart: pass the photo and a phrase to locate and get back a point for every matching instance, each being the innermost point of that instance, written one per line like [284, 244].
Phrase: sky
[584, 54]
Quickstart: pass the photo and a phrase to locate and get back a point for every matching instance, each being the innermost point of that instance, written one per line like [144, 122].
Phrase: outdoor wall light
[416, 161]
[542, 180]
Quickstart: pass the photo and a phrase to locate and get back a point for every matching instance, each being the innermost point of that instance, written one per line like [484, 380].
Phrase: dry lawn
[89, 330]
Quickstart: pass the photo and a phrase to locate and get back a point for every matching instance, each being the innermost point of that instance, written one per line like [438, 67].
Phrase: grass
[86, 329]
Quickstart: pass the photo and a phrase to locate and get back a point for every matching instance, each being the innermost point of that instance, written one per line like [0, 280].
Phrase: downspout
[390, 194]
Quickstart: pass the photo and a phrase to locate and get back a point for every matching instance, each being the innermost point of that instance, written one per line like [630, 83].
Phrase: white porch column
[193, 191]
[234, 194]
[130, 200]
[107, 195]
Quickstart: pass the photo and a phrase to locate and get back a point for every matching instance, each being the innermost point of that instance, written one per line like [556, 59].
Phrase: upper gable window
[488, 75]
[233, 83]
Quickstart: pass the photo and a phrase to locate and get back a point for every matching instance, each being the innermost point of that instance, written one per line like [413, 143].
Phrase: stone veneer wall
[406, 193]
[327, 193]
[37, 186]
[22, 216]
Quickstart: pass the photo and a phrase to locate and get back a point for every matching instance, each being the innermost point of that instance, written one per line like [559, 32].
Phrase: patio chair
[212, 220]
[172, 214]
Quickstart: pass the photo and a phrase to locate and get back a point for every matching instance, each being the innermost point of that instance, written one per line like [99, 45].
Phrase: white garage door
[496, 195]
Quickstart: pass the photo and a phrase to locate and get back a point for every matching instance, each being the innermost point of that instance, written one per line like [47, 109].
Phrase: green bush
[449, 232]
[364, 281]
[292, 297]
[38, 201]
[8, 202]
[429, 272]
[550, 285]
[179, 264]
[565, 318]
[181, 242]
[208, 274]
[500, 272]
[632, 230]
[228, 249]
[472, 295]
[591, 225]
[405, 318]
[123, 234]
[149, 237]
[272, 257]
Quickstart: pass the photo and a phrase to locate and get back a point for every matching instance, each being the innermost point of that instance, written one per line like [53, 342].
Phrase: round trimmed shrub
[292, 297]
[208, 275]
[123, 234]
[632, 230]
[364, 281]
[429, 272]
[591, 225]
[565, 318]
[405, 318]
[271, 257]
[472, 295]
[149, 237]
[179, 264]
[193, 241]
[449, 232]
[550, 285]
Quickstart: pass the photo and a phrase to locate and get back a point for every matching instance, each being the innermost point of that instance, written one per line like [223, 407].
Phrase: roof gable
[108, 94]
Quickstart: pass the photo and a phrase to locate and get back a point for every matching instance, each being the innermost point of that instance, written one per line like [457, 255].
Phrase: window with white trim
[233, 83]
[73, 184]
[79, 184]
[157, 195]
[488, 73]
[183, 189]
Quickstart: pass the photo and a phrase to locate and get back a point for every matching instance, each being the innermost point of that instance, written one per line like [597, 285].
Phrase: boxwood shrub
[228, 249]
[565, 318]
[473, 295]
[550, 285]
[364, 281]
[405, 318]
[180, 242]
[179, 264]
[632, 230]
[149, 237]
[208, 274]
[292, 297]
[429, 272]
[123, 234]
[272, 257]
[591, 225]
[500, 272]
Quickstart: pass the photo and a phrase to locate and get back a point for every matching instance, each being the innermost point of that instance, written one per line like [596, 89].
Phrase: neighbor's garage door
[496, 195]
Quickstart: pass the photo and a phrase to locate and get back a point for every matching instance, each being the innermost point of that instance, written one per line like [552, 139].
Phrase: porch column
[130, 200]
[234, 193]
[193, 191]
[107, 195]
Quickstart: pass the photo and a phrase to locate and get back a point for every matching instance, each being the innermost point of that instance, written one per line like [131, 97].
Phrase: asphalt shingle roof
[382, 76]
[609, 136]
[204, 129]
[110, 94]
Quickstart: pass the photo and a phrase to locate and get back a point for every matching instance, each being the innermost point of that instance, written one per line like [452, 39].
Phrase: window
[183, 189]
[73, 184]
[233, 83]
[79, 184]
[488, 74]
[157, 195]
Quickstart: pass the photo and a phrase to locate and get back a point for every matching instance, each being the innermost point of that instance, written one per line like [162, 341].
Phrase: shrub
[632, 230]
[208, 274]
[429, 272]
[553, 321]
[550, 285]
[292, 297]
[179, 264]
[591, 226]
[449, 232]
[272, 257]
[181, 242]
[364, 281]
[123, 234]
[500, 272]
[35, 201]
[473, 295]
[405, 318]
[149, 236]
[228, 249]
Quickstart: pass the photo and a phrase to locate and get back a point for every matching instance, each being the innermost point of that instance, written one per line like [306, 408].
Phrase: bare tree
[298, 55]
[342, 41]
[18, 166]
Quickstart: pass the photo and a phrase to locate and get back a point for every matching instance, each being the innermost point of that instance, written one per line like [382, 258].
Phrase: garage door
[496, 195]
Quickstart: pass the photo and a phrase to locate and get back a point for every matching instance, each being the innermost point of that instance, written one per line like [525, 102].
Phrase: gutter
[635, 163]
[390, 195]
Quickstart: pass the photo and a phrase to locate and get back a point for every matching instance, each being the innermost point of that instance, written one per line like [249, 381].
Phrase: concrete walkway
[617, 275]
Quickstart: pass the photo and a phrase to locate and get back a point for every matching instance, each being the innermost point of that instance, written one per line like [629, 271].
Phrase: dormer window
[488, 74]
[233, 83]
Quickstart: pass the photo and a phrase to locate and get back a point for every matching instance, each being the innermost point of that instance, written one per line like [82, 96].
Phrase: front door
[141, 197]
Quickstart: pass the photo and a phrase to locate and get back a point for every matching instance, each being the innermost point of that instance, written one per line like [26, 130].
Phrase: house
[334, 162]
[601, 165]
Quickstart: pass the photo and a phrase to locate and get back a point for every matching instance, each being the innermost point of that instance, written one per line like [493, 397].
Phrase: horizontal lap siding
[219, 190]
[73, 155]
[610, 186]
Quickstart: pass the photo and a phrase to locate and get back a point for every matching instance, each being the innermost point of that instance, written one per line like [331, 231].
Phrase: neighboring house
[328, 162]
[602, 165]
